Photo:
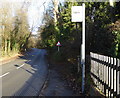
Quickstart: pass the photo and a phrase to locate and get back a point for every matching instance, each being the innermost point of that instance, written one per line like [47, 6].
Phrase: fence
[105, 72]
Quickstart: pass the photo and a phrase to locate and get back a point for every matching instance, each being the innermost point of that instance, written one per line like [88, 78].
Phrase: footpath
[55, 85]
[58, 85]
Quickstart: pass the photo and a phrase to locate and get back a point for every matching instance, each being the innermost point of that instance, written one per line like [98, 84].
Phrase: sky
[35, 13]
[36, 10]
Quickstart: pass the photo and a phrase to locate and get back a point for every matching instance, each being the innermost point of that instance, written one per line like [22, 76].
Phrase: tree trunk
[9, 46]
[5, 47]
[55, 11]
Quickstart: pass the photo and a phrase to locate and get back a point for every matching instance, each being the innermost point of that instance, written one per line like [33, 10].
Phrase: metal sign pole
[58, 49]
[83, 50]
[58, 45]
[78, 15]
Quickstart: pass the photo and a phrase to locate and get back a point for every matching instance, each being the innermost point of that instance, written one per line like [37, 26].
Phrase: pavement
[55, 86]
[25, 75]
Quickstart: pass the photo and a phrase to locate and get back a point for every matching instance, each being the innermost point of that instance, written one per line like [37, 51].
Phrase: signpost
[58, 44]
[78, 15]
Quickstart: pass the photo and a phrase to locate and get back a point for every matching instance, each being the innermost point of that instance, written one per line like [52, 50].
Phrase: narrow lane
[27, 78]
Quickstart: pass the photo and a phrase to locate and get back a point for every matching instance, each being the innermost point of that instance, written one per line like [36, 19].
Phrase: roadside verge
[8, 59]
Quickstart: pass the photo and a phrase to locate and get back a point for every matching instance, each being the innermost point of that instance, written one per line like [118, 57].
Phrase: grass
[8, 55]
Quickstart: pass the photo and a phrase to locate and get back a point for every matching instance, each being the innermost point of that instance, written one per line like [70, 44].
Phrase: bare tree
[13, 26]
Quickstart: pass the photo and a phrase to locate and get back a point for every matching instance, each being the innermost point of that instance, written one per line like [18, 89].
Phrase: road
[25, 76]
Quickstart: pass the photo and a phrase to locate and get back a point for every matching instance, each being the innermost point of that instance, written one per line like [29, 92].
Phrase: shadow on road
[37, 67]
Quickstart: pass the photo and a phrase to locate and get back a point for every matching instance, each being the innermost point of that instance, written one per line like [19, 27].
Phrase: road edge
[45, 84]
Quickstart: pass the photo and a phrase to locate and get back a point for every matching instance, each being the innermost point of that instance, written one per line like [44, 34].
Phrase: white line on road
[4, 74]
[28, 61]
[20, 66]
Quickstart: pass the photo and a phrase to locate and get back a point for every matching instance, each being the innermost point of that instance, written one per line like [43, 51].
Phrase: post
[78, 63]
[83, 50]
[58, 49]
[78, 15]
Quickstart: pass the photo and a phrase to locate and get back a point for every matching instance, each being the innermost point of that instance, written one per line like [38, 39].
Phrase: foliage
[48, 36]
[115, 29]
[98, 36]
[14, 28]
[58, 56]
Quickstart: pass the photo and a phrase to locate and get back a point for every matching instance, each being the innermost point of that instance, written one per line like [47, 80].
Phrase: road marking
[28, 61]
[4, 74]
[20, 66]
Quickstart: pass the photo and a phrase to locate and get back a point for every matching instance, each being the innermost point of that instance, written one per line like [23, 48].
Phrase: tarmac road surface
[25, 75]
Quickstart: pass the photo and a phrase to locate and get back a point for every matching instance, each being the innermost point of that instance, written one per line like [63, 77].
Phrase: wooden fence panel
[111, 76]
[115, 79]
[101, 74]
[105, 72]
[107, 75]
[118, 77]
[99, 71]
